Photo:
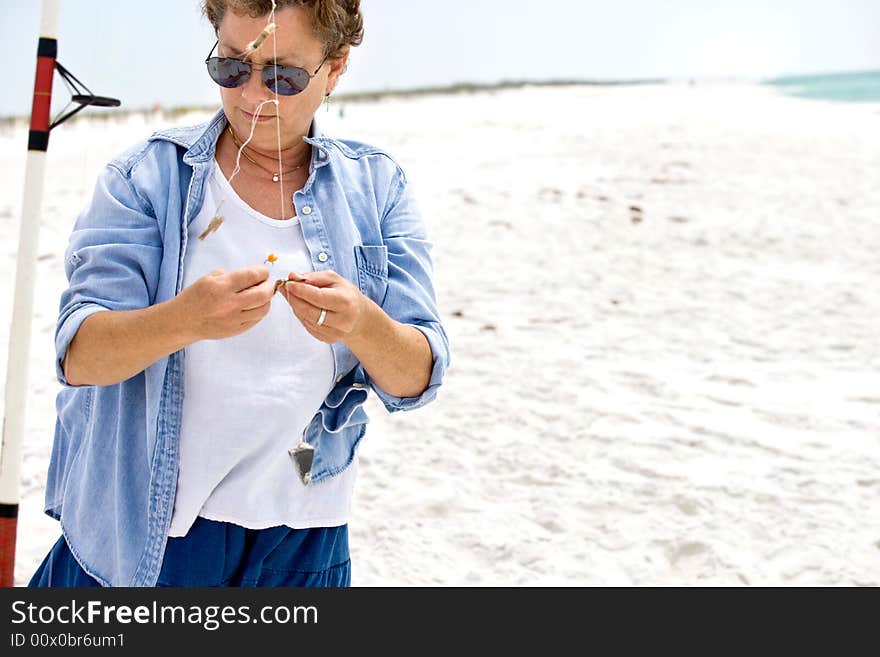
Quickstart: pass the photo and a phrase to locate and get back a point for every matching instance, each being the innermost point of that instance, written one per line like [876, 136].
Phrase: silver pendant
[303, 455]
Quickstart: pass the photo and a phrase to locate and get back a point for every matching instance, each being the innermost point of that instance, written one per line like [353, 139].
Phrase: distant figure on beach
[207, 429]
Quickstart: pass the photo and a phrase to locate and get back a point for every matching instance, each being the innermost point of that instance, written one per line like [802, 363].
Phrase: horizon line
[471, 87]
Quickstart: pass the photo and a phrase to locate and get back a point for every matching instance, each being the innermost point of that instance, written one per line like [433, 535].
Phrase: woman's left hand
[345, 304]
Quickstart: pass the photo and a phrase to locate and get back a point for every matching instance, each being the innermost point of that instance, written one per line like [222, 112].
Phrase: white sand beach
[664, 315]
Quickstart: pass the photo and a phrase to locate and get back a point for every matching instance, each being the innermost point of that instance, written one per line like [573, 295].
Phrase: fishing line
[249, 49]
[277, 108]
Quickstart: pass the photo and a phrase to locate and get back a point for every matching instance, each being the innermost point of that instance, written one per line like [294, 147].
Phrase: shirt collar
[316, 137]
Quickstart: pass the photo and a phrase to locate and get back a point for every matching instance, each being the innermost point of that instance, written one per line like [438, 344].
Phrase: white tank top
[248, 398]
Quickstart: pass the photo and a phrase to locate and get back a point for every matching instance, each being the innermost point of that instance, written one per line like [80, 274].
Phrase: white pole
[20, 332]
[22, 309]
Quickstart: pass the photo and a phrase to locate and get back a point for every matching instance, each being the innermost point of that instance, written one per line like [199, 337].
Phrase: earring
[327, 100]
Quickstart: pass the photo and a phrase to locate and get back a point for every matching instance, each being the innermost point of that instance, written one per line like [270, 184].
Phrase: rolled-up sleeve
[112, 259]
[410, 298]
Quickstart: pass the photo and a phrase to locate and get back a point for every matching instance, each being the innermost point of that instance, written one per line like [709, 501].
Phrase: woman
[236, 289]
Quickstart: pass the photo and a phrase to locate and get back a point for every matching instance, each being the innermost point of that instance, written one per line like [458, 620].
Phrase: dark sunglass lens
[285, 80]
[228, 72]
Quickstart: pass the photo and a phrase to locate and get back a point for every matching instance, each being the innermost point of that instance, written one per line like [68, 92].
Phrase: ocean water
[854, 87]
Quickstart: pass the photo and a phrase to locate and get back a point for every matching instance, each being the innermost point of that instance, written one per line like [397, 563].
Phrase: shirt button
[323, 256]
[307, 209]
[357, 385]
[339, 378]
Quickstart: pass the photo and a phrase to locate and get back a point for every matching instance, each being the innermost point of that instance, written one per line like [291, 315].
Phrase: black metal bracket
[80, 95]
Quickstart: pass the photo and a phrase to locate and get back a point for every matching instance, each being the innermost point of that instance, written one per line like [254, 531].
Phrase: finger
[322, 333]
[254, 314]
[320, 278]
[320, 297]
[328, 319]
[256, 296]
[301, 308]
[249, 325]
[308, 313]
[242, 279]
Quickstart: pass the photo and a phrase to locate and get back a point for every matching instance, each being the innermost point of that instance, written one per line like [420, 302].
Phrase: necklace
[275, 176]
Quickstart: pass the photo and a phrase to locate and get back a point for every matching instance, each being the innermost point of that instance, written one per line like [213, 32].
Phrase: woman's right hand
[225, 303]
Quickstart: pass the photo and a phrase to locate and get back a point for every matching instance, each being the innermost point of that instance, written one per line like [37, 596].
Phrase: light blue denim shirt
[113, 469]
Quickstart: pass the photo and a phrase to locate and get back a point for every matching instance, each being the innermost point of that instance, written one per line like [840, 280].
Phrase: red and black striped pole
[22, 308]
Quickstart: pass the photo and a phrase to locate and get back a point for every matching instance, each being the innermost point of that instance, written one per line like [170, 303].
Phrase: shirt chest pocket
[372, 270]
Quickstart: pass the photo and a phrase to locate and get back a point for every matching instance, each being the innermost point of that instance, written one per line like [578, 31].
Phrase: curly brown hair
[338, 24]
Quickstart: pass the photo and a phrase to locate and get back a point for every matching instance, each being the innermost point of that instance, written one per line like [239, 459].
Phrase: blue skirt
[224, 554]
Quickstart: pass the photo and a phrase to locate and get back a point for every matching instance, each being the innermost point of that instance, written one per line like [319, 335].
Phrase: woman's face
[296, 45]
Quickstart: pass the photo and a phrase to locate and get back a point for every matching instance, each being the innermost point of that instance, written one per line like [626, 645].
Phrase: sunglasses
[282, 80]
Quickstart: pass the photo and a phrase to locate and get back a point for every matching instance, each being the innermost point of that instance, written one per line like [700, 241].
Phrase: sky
[152, 52]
